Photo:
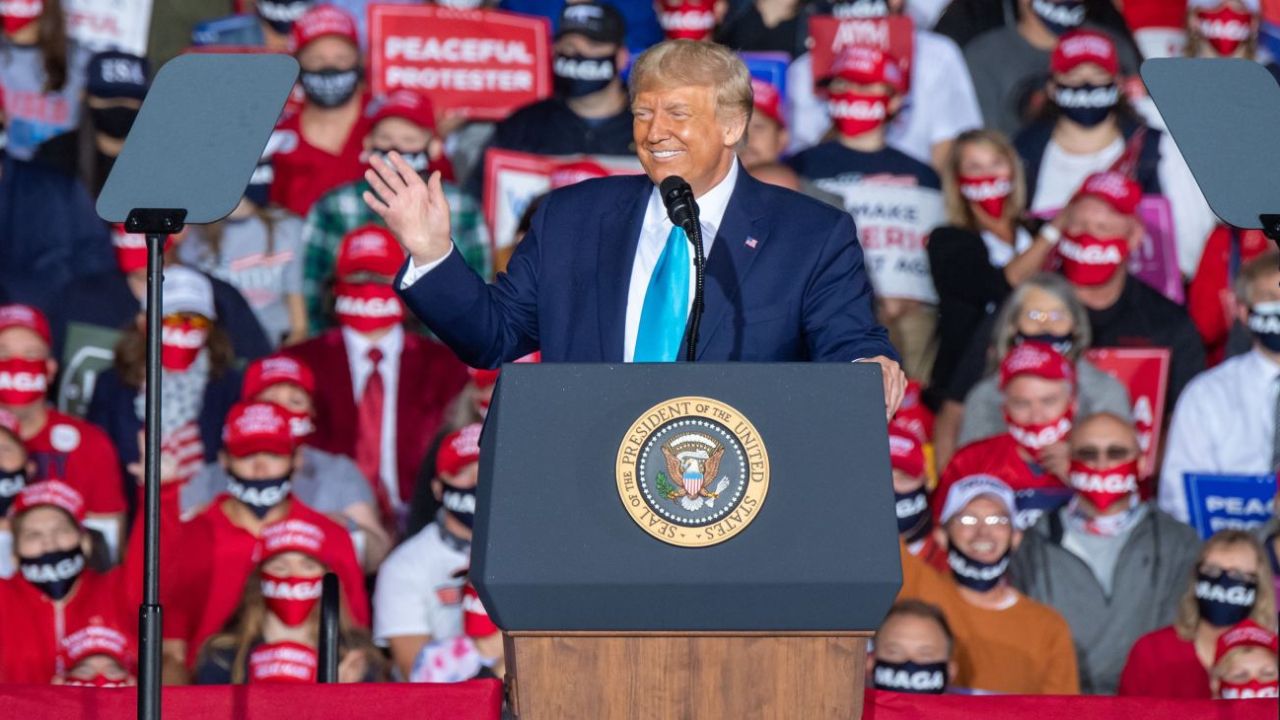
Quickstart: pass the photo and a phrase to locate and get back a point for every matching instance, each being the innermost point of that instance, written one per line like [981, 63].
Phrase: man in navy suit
[603, 276]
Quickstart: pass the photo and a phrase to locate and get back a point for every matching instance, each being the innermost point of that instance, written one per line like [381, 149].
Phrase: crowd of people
[310, 425]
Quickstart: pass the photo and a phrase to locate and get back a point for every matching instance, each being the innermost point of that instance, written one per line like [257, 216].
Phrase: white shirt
[653, 238]
[416, 592]
[1224, 424]
[1062, 173]
[940, 105]
[391, 345]
[1001, 253]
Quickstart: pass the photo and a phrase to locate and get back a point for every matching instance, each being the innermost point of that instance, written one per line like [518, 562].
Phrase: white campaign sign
[109, 24]
[894, 221]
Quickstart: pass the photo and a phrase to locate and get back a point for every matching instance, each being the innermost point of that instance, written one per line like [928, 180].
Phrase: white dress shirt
[653, 238]
[1224, 424]
[391, 345]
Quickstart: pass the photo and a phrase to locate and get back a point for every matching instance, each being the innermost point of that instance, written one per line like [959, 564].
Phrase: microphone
[682, 209]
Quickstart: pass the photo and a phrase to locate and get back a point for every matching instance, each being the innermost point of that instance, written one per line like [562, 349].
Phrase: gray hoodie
[1152, 571]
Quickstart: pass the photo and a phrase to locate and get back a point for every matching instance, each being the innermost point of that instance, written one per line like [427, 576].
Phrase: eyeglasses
[989, 521]
[1047, 316]
[1214, 572]
[1117, 453]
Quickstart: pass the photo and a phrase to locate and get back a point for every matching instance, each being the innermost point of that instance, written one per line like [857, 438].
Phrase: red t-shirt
[304, 172]
[35, 626]
[1211, 287]
[221, 556]
[81, 455]
[1036, 488]
[1161, 664]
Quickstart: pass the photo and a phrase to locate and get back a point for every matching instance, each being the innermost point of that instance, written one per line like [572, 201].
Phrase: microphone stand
[693, 229]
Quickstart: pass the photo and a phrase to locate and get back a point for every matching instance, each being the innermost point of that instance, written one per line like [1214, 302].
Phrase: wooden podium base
[703, 676]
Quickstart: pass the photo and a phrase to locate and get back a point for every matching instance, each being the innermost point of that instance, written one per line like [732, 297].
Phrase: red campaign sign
[893, 35]
[482, 64]
[1145, 374]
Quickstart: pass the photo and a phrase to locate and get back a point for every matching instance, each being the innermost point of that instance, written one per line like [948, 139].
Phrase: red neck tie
[369, 432]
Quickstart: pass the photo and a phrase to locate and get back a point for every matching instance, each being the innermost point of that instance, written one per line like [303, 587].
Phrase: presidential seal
[692, 471]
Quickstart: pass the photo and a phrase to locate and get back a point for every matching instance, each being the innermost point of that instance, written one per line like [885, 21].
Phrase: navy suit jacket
[784, 282]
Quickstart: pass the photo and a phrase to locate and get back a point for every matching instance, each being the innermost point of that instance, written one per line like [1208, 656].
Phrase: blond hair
[959, 211]
[1264, 607]
[679, 63]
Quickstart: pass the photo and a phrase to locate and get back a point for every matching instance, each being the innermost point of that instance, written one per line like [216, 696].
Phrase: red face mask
[1255, 688]
[1089, 260]
[687, 19]
[855, 113]
[368, 307]
[1225, 29]
[98, 681]
[300, 424]
[22, 381]
[291, 599]
[1106, 487]
[987, 192]
[1037, 436]
[181, 340]
[20, 13]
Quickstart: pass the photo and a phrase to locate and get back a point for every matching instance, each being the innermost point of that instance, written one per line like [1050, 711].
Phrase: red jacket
[431, 376]
[35, 626]
[1209, 289]
[1161, 664]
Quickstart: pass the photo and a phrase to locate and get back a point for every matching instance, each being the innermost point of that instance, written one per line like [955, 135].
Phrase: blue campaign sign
[1229, 502]
[770, 67]
[1034, 502]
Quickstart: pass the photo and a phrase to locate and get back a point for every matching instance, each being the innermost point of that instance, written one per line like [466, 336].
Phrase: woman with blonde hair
[1231, 582]
[987, 248]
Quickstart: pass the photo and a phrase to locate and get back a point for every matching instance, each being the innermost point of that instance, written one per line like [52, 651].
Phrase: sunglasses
[1117, 453]
[989, 521]
[195, 320]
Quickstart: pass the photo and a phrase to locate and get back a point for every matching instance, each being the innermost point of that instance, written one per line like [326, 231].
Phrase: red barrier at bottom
[482, 700]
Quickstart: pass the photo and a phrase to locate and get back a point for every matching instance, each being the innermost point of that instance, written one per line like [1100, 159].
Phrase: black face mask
[53, 573]
[281, 15]
[914, 519]
[331, 87]
[1061, 343]
[11, 483]
[1264, 323]
[975, 574]
[420, 161]
[114, 122]
[1224, 601]
[911, 677]
[260, 495]
[1087, 105]
[460, 503]
[578, 75]
[1059, 17]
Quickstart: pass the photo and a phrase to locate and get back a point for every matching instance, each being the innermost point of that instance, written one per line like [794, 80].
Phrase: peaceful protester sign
[481, 64]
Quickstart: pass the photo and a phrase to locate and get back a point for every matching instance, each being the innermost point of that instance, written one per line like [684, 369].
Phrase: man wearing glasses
[1113, 565]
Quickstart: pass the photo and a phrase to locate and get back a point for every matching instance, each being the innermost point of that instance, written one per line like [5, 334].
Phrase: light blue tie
[666, 303]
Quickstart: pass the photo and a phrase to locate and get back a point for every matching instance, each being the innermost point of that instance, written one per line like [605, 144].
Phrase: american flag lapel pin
[752, 242]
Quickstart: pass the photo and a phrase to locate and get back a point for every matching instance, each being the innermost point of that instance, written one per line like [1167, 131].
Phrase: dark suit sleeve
[838, 309]
[484, 325]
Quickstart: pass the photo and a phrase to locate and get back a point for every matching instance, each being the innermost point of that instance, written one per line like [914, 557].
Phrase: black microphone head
[673, 184]
[677, 196]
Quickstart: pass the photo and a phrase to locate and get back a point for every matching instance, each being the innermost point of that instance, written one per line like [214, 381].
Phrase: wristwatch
[1050, 233]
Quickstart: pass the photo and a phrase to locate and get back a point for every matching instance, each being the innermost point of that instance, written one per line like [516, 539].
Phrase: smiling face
[982, 530]
[678, 131]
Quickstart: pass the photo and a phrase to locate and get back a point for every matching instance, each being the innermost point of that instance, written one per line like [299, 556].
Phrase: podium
[686, 540]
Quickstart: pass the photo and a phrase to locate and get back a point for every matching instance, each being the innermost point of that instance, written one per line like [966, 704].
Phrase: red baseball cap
[867, 66]
[1038, 359]
[1246, 634]
[575, 172]
[99, 640]
[458, 450]
[1079, 47]
[767, 101]
[370, 249]
[294, 536]
[25, 316]
[905, 453]
[54, 493]
[475, 619]
[254, 427]
[1118, 190]
[408, 105]
[283, 662]
[272, 370]
[319, 21]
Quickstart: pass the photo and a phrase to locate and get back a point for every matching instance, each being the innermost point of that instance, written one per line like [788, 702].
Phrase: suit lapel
[739, 240]
[616, 253]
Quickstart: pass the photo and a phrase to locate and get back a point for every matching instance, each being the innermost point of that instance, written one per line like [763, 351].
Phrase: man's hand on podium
[416, 212]
[895, 383]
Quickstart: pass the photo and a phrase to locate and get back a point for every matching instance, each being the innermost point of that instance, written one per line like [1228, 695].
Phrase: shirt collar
[1261, 365]
[358, 346]
[711, 206]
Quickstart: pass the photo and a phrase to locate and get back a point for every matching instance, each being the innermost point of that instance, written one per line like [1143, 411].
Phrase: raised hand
[414, 211]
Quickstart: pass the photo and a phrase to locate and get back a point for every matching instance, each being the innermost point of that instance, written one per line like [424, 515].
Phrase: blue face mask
[913, 514]
[1264, 323]
[11, 483]
[1061, 343]
[975, 574]
[54, 573]
[1060, 17]
[1087, 105]
[911, 677]
[460, 503]
[578, 75]
[260, 495]
[1224, 601]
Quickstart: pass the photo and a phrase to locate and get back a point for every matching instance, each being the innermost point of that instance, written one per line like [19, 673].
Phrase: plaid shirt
[342, 210]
